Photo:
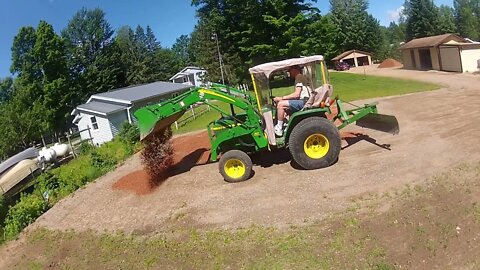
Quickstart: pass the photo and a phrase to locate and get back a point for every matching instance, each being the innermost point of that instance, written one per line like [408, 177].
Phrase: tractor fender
[299, 116]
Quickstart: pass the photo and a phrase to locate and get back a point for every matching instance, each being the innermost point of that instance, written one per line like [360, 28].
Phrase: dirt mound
[390, 63]
[189, 151]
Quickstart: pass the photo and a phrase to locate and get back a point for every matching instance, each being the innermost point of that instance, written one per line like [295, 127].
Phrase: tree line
[52, 72]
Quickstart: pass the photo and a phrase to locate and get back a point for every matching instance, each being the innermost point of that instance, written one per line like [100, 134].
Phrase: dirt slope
[439, 129]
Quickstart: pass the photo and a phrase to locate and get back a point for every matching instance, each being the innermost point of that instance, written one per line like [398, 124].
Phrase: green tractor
[312, 139]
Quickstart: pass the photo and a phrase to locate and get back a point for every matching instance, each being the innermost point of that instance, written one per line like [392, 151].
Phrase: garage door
[450, 57]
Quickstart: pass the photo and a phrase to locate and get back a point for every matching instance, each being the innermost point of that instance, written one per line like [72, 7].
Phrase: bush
[19, 216]
[101, 162]
[86, 147]
[129, 133]
[62, 181]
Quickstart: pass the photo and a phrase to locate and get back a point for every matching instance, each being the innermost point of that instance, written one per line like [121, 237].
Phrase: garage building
[354, 58]
[448, 52]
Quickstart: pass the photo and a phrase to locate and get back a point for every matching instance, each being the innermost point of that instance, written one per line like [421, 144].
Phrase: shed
[354, 58]
[448, 52]
[190, 76]
[104, 113]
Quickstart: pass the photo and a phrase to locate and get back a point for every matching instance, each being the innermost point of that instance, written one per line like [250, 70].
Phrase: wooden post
[176, 125]
[193, 112]
[71, 146]
[43, 141]
[89, 134]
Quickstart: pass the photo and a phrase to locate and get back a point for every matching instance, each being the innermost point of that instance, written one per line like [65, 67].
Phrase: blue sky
[168, 18]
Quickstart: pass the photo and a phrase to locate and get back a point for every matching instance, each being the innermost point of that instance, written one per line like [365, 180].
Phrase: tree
[421, 19]
[320, 37]
[86, 34]
[182, 49]
[6, 89]
[446, 20]
[93, 60]
[249, 32]
[354, 27]
[143, 58]
[467, 18]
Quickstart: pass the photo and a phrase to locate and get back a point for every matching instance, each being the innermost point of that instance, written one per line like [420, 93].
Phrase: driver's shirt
[301, 81]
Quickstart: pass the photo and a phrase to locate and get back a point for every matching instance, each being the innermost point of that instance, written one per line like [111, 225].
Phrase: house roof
[183, 73]
[344, 54]
[432, 41]
[101, 107]
[132, 94]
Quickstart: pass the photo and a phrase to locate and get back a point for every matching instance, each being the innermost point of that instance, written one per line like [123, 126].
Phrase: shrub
[100, 161]
[86, 147]
[24, 212]
[129, 133]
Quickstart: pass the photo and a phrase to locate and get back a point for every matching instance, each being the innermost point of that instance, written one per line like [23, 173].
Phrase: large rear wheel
[235, 166]
[314, 143]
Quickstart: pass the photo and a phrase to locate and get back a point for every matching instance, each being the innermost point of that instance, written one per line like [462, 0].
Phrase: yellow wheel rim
[234, 168]
[316, 146]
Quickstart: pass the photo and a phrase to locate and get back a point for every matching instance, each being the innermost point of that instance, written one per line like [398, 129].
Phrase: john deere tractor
[312, 139]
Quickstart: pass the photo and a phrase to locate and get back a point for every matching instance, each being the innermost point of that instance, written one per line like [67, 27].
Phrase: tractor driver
[295, 101]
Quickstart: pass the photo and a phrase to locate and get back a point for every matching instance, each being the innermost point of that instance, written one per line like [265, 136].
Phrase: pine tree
[354, 27]
[446, 20]
[467, 18]
[421, 19]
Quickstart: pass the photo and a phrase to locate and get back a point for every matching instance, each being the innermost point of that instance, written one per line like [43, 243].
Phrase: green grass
[350, 87]
[347, 86]
[202, 121]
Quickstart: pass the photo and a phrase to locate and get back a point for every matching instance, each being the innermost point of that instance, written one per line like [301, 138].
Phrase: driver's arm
[294, 95]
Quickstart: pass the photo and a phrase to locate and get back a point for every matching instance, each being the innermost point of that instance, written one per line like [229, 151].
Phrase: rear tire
[235, 166]
[314, 143]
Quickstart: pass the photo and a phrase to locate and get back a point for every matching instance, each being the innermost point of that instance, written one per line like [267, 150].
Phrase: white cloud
[394, 15]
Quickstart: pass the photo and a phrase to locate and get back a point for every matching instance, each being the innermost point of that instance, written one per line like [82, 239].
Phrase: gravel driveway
[438, 129]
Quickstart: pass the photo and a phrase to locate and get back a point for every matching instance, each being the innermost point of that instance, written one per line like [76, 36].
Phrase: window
[93, 119]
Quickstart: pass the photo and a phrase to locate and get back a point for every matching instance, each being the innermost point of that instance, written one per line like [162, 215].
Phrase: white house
[105, 113]
[190, 76]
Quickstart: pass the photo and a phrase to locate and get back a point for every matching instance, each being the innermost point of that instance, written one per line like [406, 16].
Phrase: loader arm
[155, 118]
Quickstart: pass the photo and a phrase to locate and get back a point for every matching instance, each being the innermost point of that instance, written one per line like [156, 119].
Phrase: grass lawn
[347, 86]
[350, 87]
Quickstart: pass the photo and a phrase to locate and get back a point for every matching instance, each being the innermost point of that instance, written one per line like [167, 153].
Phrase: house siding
[99, 136]
[470, 60]
[116, 121]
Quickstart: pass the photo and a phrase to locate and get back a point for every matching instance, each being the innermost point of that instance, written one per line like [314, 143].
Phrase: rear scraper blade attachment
[380, 122]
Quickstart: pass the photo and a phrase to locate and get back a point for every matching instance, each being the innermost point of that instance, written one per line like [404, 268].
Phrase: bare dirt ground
[438, 130]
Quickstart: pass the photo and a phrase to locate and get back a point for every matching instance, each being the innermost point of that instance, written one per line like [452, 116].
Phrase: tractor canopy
[314, 70]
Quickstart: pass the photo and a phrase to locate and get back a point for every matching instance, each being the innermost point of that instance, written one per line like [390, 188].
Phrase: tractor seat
[320, 97]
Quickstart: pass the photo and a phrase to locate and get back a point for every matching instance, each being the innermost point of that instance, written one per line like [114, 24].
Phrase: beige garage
[354, 58]
[447, 52]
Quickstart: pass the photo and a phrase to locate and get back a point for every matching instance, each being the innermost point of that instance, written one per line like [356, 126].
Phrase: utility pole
[220, 61]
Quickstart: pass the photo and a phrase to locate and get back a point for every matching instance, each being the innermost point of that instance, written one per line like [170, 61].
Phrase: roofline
[431, 46]
[126, 102]
[102, 113]
[185, 68]
[350, 52]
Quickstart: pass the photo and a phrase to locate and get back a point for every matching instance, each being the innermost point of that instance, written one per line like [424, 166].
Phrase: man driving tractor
[293, 102]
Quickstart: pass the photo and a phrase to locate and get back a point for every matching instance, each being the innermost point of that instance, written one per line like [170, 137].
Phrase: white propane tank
[61, 149]
[47, 155]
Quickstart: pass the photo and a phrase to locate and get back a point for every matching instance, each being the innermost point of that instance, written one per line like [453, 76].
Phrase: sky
[168, 18]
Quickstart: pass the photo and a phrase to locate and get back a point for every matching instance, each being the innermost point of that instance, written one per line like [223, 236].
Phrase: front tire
[314, 143]
[235, 166]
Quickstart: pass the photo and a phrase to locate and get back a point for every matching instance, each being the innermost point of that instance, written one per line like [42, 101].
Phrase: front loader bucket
[380, 122]
[149, 125]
